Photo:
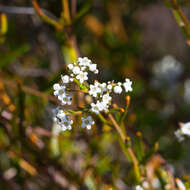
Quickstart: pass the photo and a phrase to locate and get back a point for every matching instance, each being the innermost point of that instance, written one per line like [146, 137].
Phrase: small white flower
[95, 108]
[87, 122]
[66, 123]
[82, 76]
[65, 79]
[58, 89]
[145, 185]
[83, 68]
[179, 135]
[106, 98]
[103, 106]
[117, 89]
[70, 66]
[84, 61]
[65, 99]
[94, 89]
[98, 107]
[127, 85]
[63, 120]
[96, 71]
[156, 183]
[92, 67]
[55, 112]
[103, 87]
[76, 70]
[60, 114]
[185, 128]
[109, 87]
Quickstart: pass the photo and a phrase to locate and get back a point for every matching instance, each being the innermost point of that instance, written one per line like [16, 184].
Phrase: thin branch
[24, 11]
[45, 17]
[73, 7]
[30, 90]
[181, 14]
[66, 11]
[129, 149]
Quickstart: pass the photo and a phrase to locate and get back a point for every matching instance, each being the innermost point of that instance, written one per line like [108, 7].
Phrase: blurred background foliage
[126, 38]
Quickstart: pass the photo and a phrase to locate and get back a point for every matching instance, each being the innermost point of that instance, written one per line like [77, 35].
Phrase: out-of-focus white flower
[94, 89]
[84, 61]
[59, 90]
[145, 185]
[82, 76]
[10, 173]
[76, 70]
[87, 122]
[180, 184]
[185, 128]
[183, 131]
[117, 89]
[127, 85]
[156, 183]
[179, 135]
[166, 71]
[138, 187]
[168, 65]
[65, 78]
[109, 87]
[70, 66]
[92, 67]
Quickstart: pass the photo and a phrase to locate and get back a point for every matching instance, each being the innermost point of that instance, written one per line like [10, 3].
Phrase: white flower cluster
[62, 119]
[102, 93]
[62, 95]
[183, 131]
[87, 122]
[79, 69]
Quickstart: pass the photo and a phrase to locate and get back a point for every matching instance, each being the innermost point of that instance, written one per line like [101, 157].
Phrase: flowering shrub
[101, 101]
